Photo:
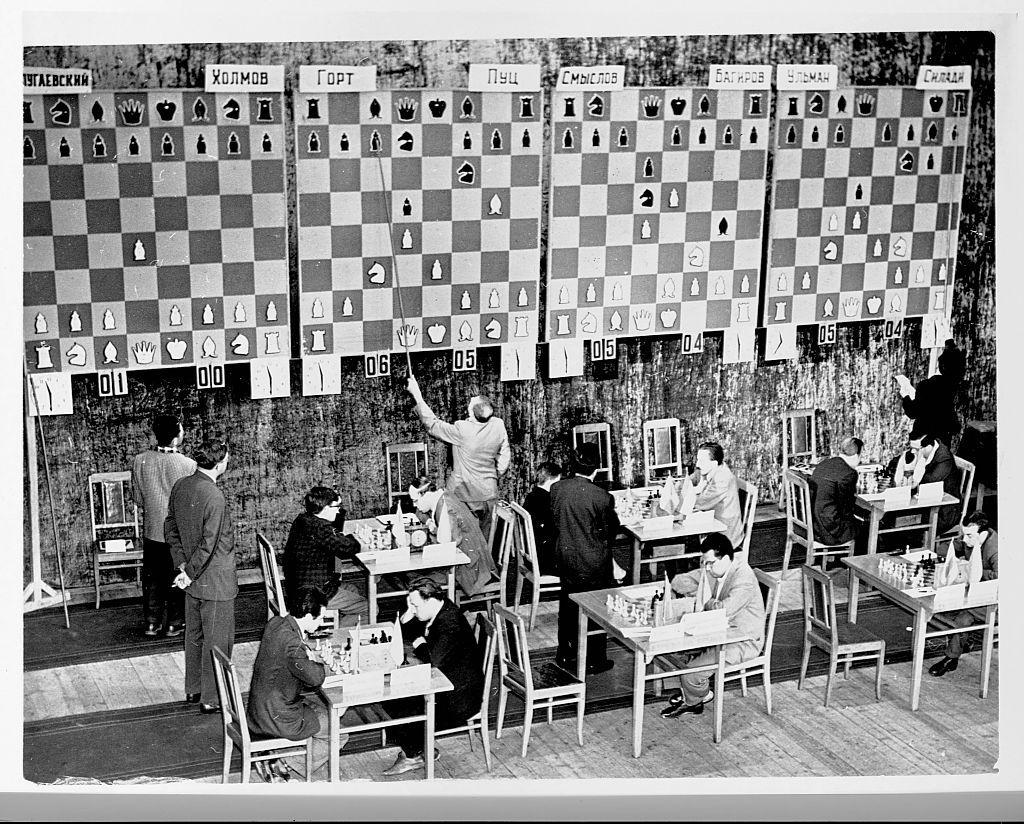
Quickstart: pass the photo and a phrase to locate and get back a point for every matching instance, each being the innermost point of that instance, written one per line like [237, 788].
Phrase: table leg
[637, 547]
[334, 742]
[719, 692]
[451, 584]
[639, 684]
[581, 645]
[920, 626]
[371, 596]
[428, 735]
[873, 524]
[933, 527]
[851, 606]
[987, 644]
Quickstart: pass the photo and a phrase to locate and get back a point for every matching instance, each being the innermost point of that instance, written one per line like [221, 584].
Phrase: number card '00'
[377, 365]
[826, 333]
[463, 360]
[210, 376]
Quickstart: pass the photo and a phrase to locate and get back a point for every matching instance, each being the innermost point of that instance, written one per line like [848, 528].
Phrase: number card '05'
[826, 333]
[463, 360]
[377, 365]
[602, 349]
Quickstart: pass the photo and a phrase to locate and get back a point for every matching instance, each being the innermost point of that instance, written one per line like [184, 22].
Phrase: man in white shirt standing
[480, 452]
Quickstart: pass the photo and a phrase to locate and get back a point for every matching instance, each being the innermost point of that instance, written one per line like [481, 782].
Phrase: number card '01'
[377, 365]
[603, 349]
[112, 382]
[210, 376]
[463, 360]
[826, 333]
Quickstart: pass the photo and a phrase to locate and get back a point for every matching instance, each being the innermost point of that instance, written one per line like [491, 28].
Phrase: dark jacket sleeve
[310, 673]
[213, 526]
[440, 644]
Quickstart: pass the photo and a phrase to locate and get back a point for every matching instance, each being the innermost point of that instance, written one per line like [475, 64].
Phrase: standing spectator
[930, 405]
[538, 504]
[199, 532]
[585, 527]
[154, 472]
[833, 491]
[480, 452]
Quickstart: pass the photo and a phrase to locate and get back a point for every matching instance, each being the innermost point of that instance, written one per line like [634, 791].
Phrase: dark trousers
[208, 624]
[410, 736]
[162, 603]
[484, 513]
[568, 626]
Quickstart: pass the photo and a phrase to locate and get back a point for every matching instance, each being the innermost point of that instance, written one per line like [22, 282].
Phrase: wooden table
[866, 568]
[337, 704]
[592, 607]
[878, 509]
[375, 568]
[678, 530]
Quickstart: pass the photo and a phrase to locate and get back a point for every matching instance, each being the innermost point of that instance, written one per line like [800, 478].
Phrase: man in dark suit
[200, 535]
[833, 490]
[585, 527]
[442, 638]
[285, 667]
[538, 504]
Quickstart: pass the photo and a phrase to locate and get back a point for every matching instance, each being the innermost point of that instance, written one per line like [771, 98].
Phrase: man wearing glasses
[720, 582]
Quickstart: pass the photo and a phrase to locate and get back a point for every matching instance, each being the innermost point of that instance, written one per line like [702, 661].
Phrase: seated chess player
[978, 535]
[314, 542]
[538, 504]
[284, 668]
[716, 490]
[441, 636]
[721, 582]
[833, 492]
[928, 461]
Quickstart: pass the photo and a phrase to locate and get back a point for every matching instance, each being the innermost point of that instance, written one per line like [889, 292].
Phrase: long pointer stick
[385, 194]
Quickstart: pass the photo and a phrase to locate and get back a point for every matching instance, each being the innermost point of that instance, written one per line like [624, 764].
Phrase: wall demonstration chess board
[656, 211]
[154, 229]
[867, 186]
[460, 173]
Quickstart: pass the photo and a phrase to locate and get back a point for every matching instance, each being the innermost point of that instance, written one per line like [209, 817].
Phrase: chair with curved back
[967, 470]
[527, 564]
[499, 542]
[271, 578]
[800, 526]
[799, 442]
[748, 503]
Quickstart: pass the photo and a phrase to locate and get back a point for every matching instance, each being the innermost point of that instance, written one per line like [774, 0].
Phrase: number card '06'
[826, 333]
[463, 360]
[377, 365]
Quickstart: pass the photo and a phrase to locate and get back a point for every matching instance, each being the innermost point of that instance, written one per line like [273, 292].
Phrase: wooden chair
[115, 519]
[546, 684]
[406, 462]
[846, 641]
[799, 441]
[527, 565]
[966, 483]
[662, 452]
[601, 435]
[800, 525]
[253, 747]
[748, 503]
[485, 637]
[500, 544]
[271, 578]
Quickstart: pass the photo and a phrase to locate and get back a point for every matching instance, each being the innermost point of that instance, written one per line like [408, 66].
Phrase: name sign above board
[497, 77]
[591, 77]
[944, 77]
[39, 81]
[244, 78]
[801, 76]
[337, 78]
[739, 77]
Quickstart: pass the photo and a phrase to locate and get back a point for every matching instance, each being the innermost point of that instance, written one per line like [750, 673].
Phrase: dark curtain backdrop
[281, 447]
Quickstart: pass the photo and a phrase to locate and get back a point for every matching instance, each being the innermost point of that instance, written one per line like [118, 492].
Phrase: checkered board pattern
[154, 230]
[657, 207]
[866, 202]
[460, 174]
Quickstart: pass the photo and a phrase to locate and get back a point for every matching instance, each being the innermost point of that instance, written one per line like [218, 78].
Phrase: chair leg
[96, 579]
[767, 690]
[519, 592]
[846, 666]
[309, 760]
[787, 552]
[229, 747]
[502, 699]
[878, 673]
[485, 738]
[534, 603]
[743, 685]
[527, 721]
[833, 663]
[469, 734]
[551, 711]
[246, 766]
[659, 683]
[580, 707]
[803, 665]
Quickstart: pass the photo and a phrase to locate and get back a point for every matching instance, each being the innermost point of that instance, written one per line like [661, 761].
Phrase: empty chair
[845, 641]
[406, 463]
[500, 544]
[545, 685]
[485, 637]
[271, 578]
[662, 454]
[601, 435]
[799, 441]
[748, 504]
[115, 521]
[527, 565]
[966, 469]
[253, 747]
[800, 526]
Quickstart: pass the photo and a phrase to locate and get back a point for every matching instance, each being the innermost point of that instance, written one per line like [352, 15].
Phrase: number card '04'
[892, 329]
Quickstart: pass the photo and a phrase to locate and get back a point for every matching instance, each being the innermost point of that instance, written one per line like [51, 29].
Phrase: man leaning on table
[834, 491]
[717, 490]
[721, 582]
[978, 537]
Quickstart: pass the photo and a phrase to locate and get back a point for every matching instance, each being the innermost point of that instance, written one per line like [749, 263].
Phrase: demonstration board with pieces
[457, 173]
[656, 211]
[866, 202]
[154, 228]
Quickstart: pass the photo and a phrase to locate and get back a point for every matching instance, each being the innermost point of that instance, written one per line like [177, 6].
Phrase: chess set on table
[363, 648]
[915, 571]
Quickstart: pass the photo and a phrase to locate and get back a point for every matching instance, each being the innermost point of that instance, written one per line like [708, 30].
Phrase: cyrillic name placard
[591, 77]
[739, 77]
[244, 78]
[497, 77]
[44, 81]
[944, 77]
[337, 78]
[806, 76]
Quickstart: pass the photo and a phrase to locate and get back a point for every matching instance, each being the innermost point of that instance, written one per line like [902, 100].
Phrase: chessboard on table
[155, 229]
[865, 204]
[458, 175]
[656, 211]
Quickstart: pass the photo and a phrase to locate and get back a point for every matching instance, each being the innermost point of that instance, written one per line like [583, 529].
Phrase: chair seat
[819, 545]
[546, 675]
[856, 635]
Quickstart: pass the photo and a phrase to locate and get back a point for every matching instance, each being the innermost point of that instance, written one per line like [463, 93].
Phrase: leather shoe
[151, 629]
[209, 709]
[944, 666]
[403, 764]
[192, 697]
[683, 709]
[173, 630]
[673, 702]
[566, 664]
[601, 666]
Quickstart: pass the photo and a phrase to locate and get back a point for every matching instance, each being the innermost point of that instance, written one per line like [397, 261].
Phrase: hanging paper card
[738, 345]
[780, 342]
[565, 358]
[50, 394]
[270, 378]
[519, 362]
[321, 376]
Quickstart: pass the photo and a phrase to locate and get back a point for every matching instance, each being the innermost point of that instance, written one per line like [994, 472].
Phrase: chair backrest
[513, 649]
[601, 435]
[525, 544]
[405, 463]
[501, 540]
[748, 503]
[271, 578]
[819, 604]
[798, 506]
[230, 694]
[112, 507]
[966, 483]
[662, 453]
[799, 437]
[486, 638]
[774, 587]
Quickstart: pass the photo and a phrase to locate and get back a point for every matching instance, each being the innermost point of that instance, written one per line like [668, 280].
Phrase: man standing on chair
[833, 492]
[154, 472]
[441, 636]
[720, 583]
[585, 524]
[201, 536]
[480, 452]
